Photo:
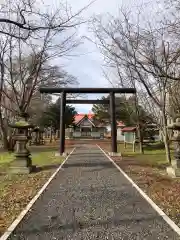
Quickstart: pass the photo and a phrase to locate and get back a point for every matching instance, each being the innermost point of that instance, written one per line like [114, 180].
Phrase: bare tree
[3, 51]
[25, 65]
[143, 56]
[30, 17]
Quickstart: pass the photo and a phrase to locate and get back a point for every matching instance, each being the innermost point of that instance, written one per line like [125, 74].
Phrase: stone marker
[174, 169]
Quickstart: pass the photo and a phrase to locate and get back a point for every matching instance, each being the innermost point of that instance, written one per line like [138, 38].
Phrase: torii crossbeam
[110, 91]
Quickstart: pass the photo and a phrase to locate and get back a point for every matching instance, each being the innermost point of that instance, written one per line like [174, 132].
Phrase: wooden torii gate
[111, 102]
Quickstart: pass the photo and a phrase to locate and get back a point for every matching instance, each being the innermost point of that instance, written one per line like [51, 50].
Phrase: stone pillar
[113, 123]
[174, 169]
[114, 151]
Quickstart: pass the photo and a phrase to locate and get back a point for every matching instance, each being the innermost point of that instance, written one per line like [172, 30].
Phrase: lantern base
[173, 172]
[21, 165]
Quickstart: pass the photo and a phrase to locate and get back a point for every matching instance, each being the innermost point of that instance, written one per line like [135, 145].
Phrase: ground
[148, 171]
[90, 199]
[17, 190]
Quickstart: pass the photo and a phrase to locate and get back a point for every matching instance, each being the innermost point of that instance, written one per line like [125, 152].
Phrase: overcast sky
[87, 66]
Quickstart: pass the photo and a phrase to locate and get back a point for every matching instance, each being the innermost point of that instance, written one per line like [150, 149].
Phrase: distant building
[85, 126]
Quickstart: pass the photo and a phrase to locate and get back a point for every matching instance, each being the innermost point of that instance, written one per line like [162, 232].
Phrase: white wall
[76, 134]
[120, 137]
[95, 134]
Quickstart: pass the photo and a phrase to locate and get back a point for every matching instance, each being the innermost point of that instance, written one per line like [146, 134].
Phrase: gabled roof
[84, 118]
[129, 129]
[79, 117]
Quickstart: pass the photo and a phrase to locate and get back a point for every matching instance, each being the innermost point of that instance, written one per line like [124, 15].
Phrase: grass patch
[5, 157]
[45, 158]
[40, 157]
[154, 154]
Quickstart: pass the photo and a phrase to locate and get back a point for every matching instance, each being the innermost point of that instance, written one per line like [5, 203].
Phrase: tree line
[140, 50]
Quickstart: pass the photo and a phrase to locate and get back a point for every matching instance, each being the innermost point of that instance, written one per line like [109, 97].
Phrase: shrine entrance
[85, 132]
[111, 102]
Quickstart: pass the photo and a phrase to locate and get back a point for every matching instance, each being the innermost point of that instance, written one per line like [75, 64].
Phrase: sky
[86, 66]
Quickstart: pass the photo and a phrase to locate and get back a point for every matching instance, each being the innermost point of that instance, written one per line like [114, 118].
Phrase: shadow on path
[56, 224]
[89, 164]
[46, 167]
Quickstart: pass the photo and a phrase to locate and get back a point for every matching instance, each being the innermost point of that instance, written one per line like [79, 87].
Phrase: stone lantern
[174, 169]
[22, 162]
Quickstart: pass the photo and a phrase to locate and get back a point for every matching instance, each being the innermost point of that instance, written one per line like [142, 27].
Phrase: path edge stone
[169, 221]
[23, 213]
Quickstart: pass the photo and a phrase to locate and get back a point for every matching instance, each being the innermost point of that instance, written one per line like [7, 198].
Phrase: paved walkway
[90, 199]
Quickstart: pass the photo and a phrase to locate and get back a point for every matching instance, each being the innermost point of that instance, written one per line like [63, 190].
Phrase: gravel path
[90, 199]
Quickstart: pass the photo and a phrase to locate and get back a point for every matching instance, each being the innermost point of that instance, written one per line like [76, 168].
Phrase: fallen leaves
[17, 193]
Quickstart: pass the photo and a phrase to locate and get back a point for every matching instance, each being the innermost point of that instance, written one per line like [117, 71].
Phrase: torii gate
[111, 102]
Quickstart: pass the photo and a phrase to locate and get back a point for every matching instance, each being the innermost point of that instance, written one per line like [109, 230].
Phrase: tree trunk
[141, 148]
[166, 144]
[166, 139]
[139, 126]
[168, 153]
[50, 140]
[4, 134]
[140, 136]
[5, 142]
[12, 144]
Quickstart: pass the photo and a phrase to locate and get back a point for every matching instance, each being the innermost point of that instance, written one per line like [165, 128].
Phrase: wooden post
[113, 123]
[62, 122]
